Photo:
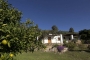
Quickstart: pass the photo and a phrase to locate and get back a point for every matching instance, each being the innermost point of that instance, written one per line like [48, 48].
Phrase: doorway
[49, 39]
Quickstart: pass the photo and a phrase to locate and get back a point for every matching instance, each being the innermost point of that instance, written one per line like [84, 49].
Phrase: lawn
[52, 56]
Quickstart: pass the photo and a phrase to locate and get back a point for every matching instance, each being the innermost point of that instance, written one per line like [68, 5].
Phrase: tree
[8, 13]
[16, 37]
[71, 30]
[54, 29]
[84, 34]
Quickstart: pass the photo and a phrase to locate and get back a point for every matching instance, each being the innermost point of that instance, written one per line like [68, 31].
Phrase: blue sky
[62, 13]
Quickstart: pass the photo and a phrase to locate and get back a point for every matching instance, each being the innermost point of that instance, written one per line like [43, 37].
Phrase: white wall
[45, 40]
[54, 39]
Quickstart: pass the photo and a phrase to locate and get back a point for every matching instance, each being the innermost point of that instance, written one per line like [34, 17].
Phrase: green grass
[52, 56]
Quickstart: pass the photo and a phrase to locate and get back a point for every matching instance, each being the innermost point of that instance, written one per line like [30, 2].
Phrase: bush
[82, 46]
[87, 41]
[60, 48]
[70, 45]
[55, 45]
[82, 41]
[88, 47]
[64, 41]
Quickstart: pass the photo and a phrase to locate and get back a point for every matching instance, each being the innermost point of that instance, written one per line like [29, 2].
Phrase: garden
[70, 55]
[18, 40]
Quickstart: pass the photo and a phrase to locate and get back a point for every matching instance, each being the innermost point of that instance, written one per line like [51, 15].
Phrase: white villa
[57, 38]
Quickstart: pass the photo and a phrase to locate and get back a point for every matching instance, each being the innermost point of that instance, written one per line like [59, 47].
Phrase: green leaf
[9, 44]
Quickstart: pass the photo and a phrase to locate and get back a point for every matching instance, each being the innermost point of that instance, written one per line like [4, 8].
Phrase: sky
[62, 13]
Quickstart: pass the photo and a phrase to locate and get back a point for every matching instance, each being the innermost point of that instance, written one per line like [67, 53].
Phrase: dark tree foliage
[71, 30]
[54, 29]
[85, 34]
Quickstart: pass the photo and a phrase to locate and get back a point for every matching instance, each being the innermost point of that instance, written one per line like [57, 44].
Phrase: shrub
[87, 41]
[55, 45]
[82, 41]
[70, 45]
[64, 41]
[82, 46]
[88, 47]
[60, 48]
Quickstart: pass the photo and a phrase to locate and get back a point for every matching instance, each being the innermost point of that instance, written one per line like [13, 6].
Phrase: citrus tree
[16, 37]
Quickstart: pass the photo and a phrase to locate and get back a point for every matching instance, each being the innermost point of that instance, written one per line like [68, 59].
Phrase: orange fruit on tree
[11, 55]
[4, 42]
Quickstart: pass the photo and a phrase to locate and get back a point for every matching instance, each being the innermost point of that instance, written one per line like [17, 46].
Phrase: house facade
[53, 39]
[50, 39]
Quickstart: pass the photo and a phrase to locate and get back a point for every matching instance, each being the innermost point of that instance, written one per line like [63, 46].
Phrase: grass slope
[52, 56]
